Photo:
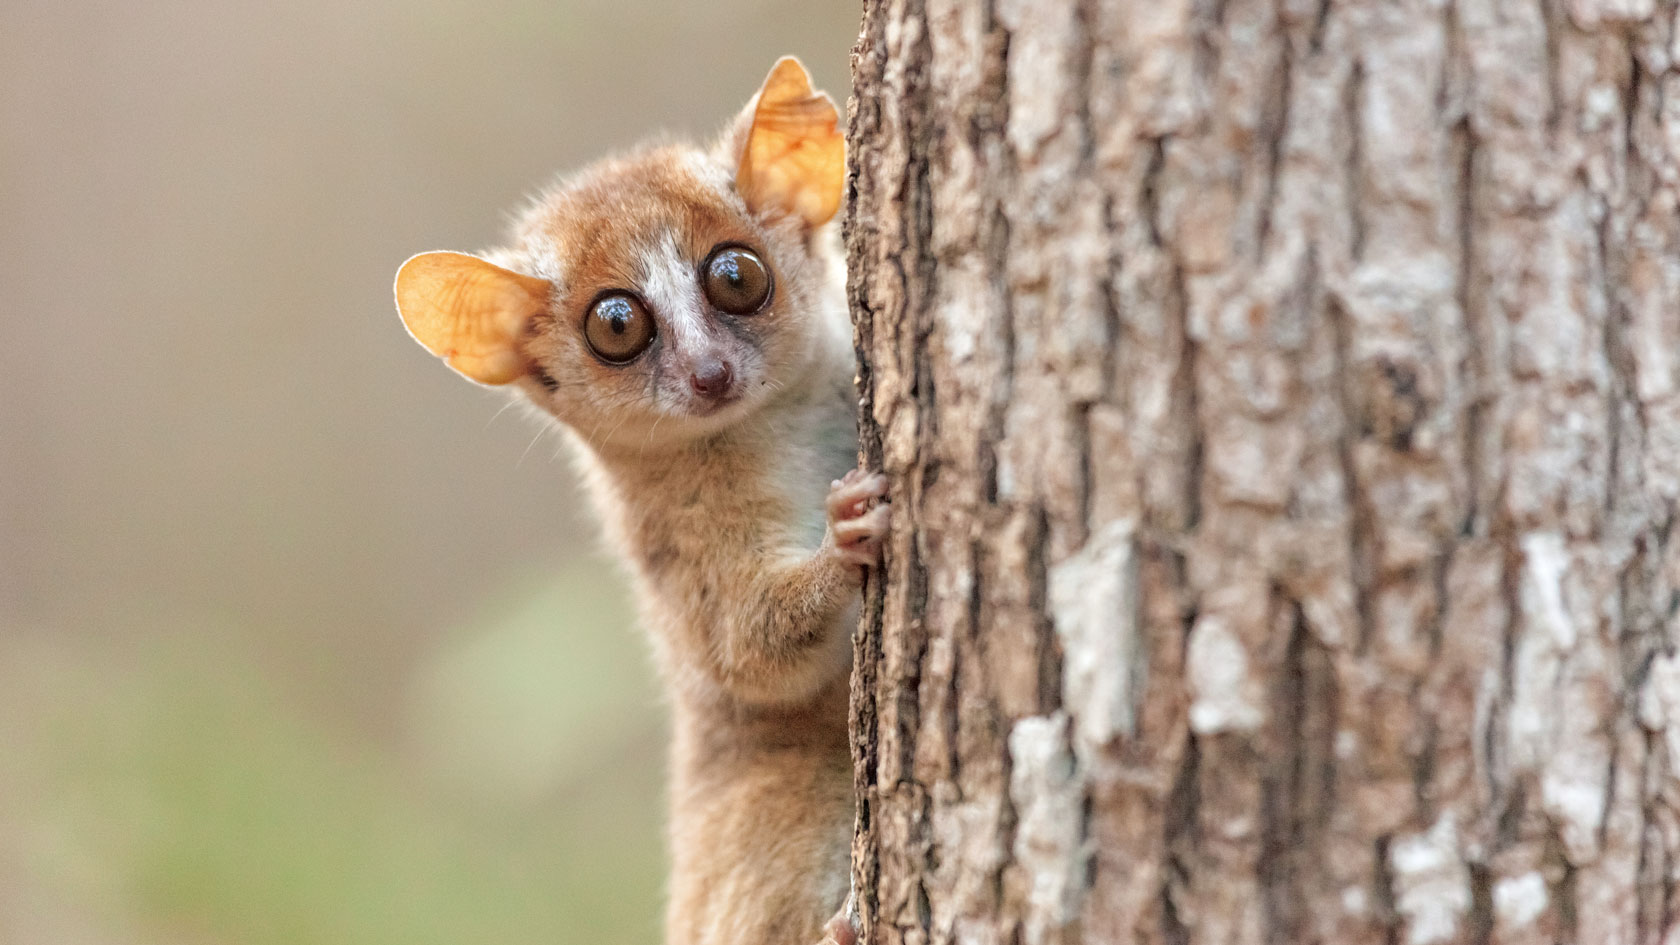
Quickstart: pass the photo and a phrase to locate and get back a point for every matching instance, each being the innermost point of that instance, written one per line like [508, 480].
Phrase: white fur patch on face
[713, 175]
[669, 286]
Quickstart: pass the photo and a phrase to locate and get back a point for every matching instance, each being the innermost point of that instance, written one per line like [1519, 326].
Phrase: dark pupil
[617, 313]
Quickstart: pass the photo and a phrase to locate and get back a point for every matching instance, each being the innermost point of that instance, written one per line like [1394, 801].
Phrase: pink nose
[711, 378]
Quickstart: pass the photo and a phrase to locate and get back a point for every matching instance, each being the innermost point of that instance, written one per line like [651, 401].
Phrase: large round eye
[618, 328]
[736, 280]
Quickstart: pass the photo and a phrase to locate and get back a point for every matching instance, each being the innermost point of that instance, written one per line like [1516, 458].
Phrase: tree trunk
[1282, 405]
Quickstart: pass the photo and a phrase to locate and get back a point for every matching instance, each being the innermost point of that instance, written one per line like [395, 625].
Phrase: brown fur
[717, 506]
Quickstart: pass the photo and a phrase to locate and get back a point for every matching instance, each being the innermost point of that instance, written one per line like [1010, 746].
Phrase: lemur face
[672, 303]
[672, 288]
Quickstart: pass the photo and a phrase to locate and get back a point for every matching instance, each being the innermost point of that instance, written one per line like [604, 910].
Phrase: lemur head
[673, 287]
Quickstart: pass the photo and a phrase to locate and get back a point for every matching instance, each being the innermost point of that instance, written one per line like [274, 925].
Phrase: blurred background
[302, 638]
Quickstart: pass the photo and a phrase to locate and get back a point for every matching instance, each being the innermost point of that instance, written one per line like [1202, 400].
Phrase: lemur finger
[839, 931]
[846, 499]
[870, 525]
[858, 485]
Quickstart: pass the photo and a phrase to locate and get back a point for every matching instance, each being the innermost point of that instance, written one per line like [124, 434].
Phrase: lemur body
[680, 311]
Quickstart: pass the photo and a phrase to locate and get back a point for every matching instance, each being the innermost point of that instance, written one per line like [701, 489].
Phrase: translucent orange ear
[469, 312]
[795, 157]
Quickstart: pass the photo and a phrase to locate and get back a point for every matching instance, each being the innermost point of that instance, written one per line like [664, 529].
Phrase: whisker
[621, 422]
[651, 430]
[540, 431]
[505, 408]
[600, 418]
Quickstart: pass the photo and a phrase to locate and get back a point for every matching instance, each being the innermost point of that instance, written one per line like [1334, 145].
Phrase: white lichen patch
[968, 875]
[1519, 900]
[1559, 695]
[1431, 883]
[1094, 607]
[1541, 644]
[1355, 901]
[1041, 40]
[1223, 697]
[1545, 563]
[1049, 803]
[1659, 705]
[1572, 791]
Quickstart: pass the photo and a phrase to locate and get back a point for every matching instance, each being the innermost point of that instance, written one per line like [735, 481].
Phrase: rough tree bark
[1282, 402]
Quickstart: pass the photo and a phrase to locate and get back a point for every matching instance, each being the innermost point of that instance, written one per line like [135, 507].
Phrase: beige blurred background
[301, 639]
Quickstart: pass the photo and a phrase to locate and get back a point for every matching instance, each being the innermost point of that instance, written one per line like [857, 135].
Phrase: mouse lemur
[680, 310]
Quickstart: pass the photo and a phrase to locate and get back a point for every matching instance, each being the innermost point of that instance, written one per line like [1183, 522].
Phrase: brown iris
[618, 328]
[736, 280]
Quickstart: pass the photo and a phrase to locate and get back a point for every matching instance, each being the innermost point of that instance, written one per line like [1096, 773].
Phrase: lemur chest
[725, 508]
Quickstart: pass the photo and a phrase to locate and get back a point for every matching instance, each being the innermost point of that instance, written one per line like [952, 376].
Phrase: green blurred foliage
[297, 641]
[176, 792]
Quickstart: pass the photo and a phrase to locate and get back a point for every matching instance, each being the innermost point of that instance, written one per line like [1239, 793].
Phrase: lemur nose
[711, 378]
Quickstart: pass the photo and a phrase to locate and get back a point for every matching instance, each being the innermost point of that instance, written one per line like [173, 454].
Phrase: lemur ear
[469, 312]
[794, 157]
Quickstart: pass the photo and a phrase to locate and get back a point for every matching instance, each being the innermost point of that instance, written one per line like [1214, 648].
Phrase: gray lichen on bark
[1282, 404]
